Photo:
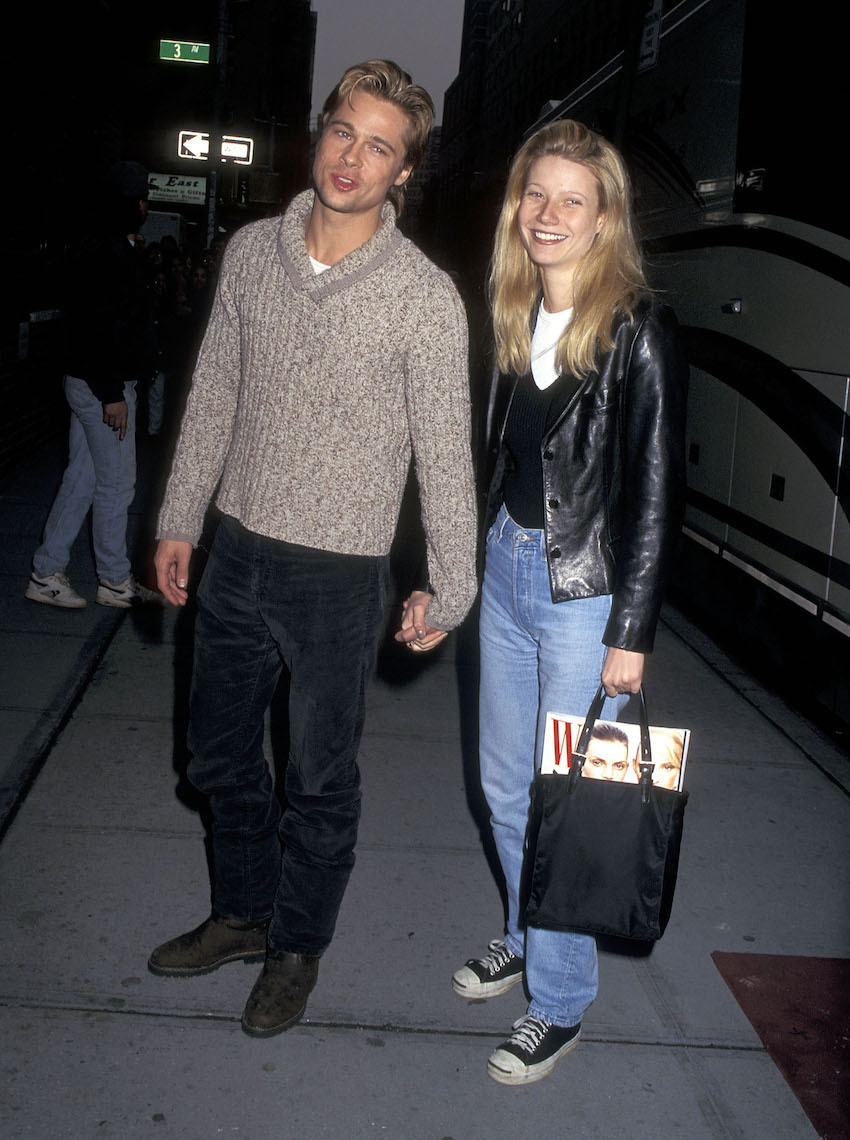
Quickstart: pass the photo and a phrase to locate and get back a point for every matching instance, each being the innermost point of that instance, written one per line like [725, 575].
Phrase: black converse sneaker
[531, 1051]
[493, 974]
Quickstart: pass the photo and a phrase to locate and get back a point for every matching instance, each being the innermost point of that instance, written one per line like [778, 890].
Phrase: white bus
[730, 123]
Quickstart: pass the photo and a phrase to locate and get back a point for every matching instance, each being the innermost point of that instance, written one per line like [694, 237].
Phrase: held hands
[115, 417]
[622, 671]
[172, 569]
[414, 630]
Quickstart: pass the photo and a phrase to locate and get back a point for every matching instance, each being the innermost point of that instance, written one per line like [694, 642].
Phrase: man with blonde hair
[335, 350]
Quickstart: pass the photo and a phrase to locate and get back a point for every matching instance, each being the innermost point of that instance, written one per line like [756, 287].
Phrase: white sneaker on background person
[126, 594]
[54, 590]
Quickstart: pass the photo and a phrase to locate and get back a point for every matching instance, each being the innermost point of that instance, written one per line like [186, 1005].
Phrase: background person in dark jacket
[582, 514]
[109, 347]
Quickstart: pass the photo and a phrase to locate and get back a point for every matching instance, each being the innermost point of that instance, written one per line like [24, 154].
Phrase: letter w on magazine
[614, 751]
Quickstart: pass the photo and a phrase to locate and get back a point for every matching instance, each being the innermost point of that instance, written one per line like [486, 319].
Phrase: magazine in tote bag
[603, 853]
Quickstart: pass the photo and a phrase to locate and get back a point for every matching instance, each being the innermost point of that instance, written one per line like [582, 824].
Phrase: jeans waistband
[506, 530]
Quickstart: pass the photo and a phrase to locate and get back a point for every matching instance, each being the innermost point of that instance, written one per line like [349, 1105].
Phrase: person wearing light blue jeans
[586, 436]
[109, 346]
[535, 657]
[101, 476]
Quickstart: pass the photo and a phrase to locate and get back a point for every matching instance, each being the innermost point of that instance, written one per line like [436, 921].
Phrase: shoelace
[499, 956]
[528, 1032]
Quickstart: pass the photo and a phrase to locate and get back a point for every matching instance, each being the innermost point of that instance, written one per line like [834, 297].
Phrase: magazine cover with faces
[614, 751]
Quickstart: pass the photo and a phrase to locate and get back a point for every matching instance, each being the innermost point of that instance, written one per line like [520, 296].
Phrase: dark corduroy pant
[264, 605]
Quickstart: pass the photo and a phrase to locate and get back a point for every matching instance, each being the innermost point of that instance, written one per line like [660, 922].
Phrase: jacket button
[548, 454]
[555, 552]
[554, 504]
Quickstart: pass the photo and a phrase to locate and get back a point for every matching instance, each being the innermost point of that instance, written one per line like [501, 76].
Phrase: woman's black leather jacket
[613, 474]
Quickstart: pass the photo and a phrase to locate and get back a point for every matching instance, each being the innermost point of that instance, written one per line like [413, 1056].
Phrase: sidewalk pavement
[105, 858]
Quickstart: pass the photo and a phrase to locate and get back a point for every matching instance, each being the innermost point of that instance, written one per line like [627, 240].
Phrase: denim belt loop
[502, 518]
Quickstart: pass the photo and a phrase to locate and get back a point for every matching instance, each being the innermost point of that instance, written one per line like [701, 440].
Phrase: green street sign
[184, 52]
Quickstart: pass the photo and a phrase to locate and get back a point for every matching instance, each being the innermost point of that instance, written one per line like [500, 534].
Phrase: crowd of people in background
[181, 286]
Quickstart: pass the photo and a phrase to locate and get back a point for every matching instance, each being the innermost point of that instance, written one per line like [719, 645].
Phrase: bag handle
[580, 753]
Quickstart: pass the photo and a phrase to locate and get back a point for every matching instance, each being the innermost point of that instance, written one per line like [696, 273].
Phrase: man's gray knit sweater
[309, 392]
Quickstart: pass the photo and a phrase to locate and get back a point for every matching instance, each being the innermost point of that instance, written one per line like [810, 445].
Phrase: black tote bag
[603, 857]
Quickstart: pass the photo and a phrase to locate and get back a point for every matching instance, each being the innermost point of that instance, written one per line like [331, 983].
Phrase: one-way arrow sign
[232, 148]
[193, 144]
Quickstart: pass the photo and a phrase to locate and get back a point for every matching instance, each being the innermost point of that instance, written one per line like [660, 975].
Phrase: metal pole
[215, 131]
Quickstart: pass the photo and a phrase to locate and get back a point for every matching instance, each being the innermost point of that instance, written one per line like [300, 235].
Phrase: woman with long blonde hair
[586, 420]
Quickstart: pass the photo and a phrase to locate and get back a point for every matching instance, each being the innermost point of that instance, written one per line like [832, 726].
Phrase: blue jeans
[101, 475]
[536, 656]
[263, 604]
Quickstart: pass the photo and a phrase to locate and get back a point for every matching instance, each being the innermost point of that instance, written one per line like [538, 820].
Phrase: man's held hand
[415, 631]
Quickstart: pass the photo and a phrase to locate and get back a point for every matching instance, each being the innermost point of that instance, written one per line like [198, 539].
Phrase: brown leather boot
[279, 996]
[208, 946]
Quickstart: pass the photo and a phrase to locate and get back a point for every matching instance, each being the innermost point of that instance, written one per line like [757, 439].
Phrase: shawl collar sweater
[311, 392]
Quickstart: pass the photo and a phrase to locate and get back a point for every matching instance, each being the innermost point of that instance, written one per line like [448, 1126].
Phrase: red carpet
[800, 1008]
